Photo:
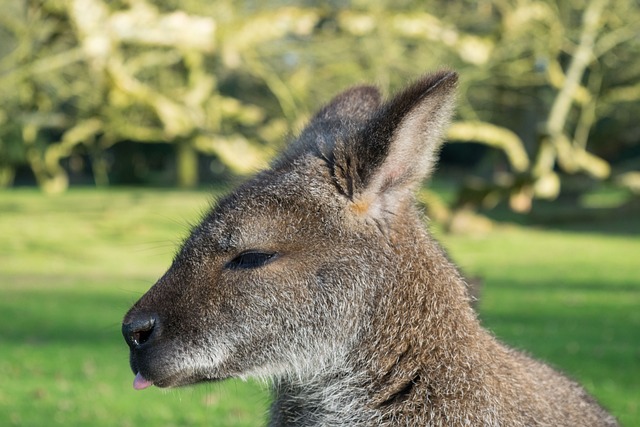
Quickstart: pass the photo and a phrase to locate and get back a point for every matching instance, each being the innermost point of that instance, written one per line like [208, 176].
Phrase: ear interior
[399, 146]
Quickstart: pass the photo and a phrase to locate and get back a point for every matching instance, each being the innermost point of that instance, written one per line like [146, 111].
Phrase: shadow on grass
[574, 287]
[566, 215]
[42, 317]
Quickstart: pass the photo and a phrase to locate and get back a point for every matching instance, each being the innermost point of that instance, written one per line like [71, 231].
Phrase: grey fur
[359, 318]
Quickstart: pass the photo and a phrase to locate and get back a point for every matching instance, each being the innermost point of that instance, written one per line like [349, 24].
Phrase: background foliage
[170, 92]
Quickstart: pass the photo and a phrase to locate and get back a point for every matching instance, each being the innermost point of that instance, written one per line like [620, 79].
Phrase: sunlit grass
[70, 267]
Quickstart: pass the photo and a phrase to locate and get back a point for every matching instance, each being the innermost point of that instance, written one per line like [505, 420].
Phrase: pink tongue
[140, 383]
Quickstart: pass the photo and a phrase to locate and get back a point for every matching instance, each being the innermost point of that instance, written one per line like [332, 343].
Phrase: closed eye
[250, 259]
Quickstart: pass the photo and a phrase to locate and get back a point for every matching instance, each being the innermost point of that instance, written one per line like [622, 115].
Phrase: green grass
[70, 267]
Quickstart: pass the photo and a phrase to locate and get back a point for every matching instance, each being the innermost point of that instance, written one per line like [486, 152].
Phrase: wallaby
[319, 275]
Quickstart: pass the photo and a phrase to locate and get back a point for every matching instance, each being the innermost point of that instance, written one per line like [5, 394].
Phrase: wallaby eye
[250, 259]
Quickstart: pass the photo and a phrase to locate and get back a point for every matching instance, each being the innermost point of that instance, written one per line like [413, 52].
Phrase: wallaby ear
[354, 104]
[397, 149]
[345, 114]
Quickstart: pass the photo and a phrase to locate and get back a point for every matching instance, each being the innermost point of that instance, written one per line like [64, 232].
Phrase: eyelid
[250, 259]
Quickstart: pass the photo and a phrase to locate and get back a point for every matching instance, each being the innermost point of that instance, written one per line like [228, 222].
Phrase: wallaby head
[282, 275]
[319, 274]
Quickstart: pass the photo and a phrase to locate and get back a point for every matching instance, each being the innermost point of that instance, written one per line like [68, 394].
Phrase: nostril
[141, 337]
[139, 330]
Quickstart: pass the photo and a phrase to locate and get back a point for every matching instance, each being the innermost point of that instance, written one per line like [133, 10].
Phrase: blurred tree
[35, 44]
[543, 82]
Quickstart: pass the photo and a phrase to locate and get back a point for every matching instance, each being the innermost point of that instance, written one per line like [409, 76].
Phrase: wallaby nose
[140, 329]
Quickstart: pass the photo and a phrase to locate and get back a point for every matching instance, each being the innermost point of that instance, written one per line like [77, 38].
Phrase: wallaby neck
[424, 330]
[331, 399]
[420, 323]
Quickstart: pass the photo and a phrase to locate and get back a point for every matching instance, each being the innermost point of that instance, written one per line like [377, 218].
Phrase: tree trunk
[186, 164]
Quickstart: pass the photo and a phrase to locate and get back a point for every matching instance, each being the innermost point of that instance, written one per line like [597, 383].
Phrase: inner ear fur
[383, 166]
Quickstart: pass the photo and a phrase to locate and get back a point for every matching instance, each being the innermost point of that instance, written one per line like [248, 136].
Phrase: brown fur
[319, 275]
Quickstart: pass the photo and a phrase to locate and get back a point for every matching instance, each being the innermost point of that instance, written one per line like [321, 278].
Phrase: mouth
[159, 365]
[141, 382]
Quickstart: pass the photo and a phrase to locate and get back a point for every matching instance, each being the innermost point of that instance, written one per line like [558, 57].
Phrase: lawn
[70, 266]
